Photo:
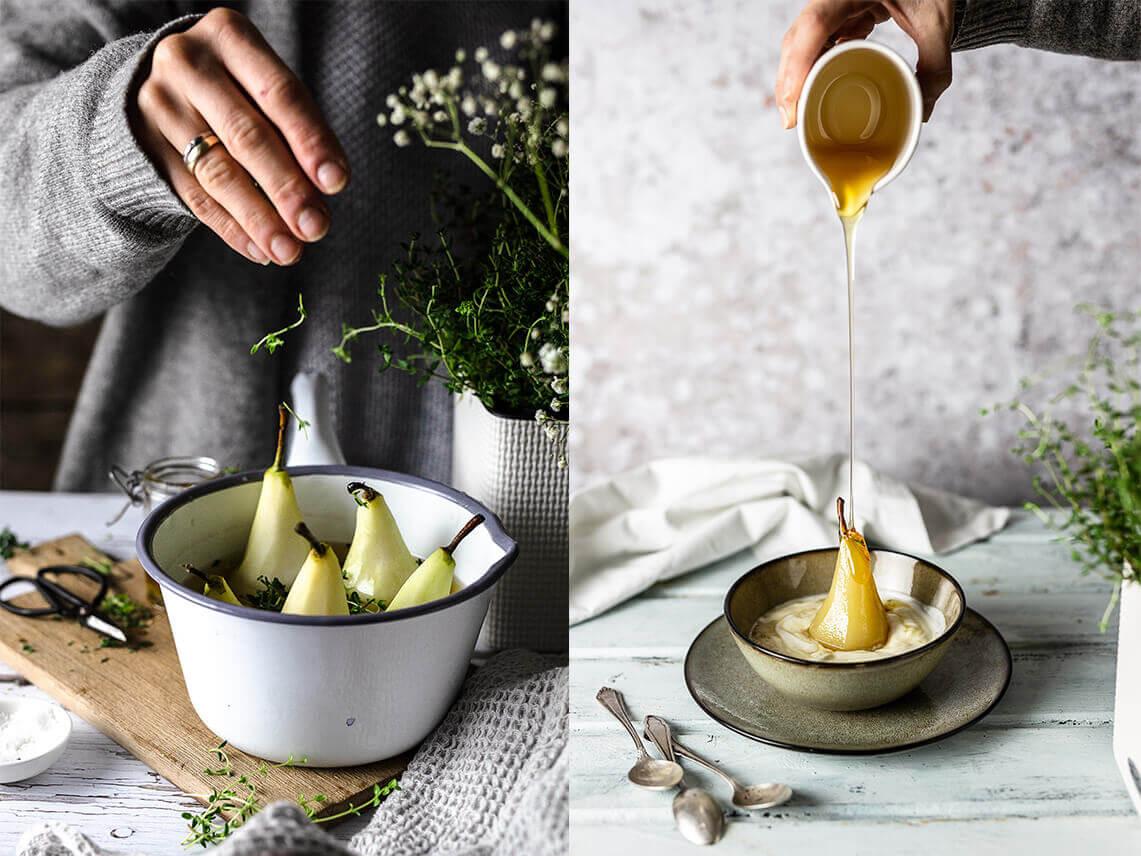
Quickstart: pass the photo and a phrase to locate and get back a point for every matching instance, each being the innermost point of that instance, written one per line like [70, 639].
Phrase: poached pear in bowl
[842, 684]
[335, 689]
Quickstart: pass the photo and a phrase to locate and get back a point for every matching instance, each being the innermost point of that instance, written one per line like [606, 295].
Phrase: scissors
[62, 602]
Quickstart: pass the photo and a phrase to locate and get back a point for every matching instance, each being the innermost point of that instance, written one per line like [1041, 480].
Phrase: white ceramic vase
[510, 466]
[1127, 698]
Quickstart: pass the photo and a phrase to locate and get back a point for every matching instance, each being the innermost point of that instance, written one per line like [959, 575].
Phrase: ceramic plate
[964, 688]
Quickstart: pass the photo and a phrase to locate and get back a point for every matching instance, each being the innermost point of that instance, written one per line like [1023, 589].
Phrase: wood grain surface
[138, 699]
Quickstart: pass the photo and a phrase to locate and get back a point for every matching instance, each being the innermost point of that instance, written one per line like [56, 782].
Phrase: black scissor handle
[60, 601]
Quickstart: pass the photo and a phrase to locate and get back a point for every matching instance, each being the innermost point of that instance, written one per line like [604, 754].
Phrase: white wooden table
[1036, 776]
[97, 787]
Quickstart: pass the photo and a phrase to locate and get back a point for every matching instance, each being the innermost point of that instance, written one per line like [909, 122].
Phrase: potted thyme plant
[1089, 477]
[483, 307]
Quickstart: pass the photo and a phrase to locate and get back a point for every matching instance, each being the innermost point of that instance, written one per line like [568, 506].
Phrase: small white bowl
[59, 734]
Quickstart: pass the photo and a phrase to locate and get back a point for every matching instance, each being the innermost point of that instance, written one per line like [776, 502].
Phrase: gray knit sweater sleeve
[1107, 29]
[85, 220]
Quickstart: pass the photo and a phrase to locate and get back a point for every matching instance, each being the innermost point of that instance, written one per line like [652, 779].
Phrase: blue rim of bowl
[499, 537]
[947, 633]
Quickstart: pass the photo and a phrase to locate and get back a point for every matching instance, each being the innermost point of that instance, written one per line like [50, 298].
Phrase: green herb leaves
[9, 543]
[270, 595]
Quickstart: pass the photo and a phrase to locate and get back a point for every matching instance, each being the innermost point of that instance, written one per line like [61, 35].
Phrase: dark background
[41, 369]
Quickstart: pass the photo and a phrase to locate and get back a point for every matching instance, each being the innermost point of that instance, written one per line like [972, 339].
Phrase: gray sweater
[87, 227]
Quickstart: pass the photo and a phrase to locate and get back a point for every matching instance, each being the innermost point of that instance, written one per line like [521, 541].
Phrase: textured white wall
[709, 308]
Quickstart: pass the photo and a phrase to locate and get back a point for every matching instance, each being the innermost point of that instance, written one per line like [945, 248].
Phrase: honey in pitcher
[857, 122]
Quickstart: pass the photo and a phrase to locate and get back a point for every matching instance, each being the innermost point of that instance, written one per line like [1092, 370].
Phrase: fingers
[200, 203]
[930, 29]
[283, 99]
[219, 176]
[803, 43]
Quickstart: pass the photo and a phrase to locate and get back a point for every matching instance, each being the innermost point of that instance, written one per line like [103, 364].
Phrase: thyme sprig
[1088, 467]
[272, 341]
[270, 595]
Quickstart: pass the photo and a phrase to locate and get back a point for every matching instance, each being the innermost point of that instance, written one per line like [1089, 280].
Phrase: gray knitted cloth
[492, 779]
[88, 228]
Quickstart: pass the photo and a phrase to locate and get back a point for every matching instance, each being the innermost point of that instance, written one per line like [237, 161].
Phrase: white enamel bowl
[336, 690]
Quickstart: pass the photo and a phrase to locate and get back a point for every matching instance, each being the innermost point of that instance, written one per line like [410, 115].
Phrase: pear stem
[190, 569]
[303, 530]
[463, 533]
[281, 420]
[844, 530]
[362, 488]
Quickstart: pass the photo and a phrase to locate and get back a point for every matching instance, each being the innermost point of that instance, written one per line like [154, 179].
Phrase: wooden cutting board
[138, 699]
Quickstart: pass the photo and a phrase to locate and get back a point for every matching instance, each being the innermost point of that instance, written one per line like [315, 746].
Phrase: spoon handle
[658, 730]
[709, 765]
[611, 699]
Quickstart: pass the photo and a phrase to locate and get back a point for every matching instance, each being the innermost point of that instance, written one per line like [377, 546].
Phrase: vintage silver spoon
[653, 774]
[751, 798]
[698, 816]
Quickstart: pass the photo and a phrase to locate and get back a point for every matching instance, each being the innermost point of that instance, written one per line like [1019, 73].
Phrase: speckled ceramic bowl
[841, 685]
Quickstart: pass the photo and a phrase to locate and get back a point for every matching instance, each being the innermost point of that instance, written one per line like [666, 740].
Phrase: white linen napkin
[671, 516]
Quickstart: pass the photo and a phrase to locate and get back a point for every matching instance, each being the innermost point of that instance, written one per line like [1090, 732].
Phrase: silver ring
[196, 148]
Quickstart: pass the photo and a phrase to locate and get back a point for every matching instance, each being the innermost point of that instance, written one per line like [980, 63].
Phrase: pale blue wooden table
[1036, 776]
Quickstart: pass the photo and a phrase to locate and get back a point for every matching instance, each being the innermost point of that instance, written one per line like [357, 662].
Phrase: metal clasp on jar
[162, 479]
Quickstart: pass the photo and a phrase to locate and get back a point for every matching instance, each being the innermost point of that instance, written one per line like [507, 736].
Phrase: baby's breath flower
[507, 40]
[402, 138]
[455, 78]
[550, 428]
[461, 55]
[515, 90]
[547, 97]
[381, 119]
[551, 305]
[556, 405]
[398, 115]
[559, 148]
[547, 31]
[566, 315]
[497, 151]
[431, 79]
[562, 128]
[391, 101]
[491, 70]
[468, 105]
[535, 335]
[523, 105]
[553, 359]
[439, 116]
[559, 385]
[477, 126]
[527, 360]
[480, 54]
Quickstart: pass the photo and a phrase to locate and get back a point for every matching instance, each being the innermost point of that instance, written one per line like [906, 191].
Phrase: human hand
[220, 76]
[823, 23]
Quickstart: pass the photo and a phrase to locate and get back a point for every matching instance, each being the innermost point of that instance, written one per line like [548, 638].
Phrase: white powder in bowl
[27, 732]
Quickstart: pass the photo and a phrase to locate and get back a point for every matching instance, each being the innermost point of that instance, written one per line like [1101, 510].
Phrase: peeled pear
[273, 548]
[379, 561]
[433, 579]
[852, 617]
[318, 588]
[214, 585]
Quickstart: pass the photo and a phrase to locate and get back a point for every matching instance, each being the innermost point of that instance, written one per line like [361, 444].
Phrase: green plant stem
[463, 148]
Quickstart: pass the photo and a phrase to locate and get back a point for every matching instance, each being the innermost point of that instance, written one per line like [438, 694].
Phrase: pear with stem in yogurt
[319, 588]
[379, 562]
[852, 617]
[433, 579]
[273, 548]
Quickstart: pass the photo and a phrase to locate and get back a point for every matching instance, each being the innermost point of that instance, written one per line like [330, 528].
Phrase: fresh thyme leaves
[273, 341]
[9, 543]
[271, 594]
[1089, 469]
[357, 604]
[103, 566]
[315, 804]
[120, 609]
[27, 647]
[228, 808]
[302, 424]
